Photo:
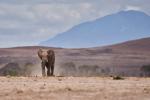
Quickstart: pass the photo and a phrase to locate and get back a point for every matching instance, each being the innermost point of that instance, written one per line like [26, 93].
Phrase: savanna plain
[74, 88]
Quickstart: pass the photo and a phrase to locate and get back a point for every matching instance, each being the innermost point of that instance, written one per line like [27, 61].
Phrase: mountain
[111, 29]
[125, 59]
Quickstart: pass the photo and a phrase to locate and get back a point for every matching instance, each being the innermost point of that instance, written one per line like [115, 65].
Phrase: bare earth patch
[74, 88]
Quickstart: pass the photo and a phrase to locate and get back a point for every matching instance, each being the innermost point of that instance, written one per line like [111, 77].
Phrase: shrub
[146, 70]
[11, 69]
[12, 73]
[117, 78]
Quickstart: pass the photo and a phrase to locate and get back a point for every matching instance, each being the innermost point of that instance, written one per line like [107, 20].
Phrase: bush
[11, 69]
[146, 70]
[12, 73]
[117, 78]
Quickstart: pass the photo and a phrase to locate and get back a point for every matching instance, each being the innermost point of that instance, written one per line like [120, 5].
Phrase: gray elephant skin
[48, 60]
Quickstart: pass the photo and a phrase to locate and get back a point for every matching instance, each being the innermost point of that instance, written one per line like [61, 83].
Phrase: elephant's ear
[50, 53]
[40, 53]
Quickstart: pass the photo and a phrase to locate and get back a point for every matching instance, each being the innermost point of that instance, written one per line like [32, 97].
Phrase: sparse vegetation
[75, 88]
[28, 68]
[14, 69]
[11, 69]
[67, 69]
[118, 78]
[105, 70]
[89, 70]
[146, 70]
[12, 73]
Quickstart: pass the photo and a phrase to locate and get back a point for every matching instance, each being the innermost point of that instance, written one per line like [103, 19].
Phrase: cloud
[28, 22]
[132, 8]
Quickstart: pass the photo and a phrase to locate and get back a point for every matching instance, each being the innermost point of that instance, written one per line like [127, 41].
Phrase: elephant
[48, 61]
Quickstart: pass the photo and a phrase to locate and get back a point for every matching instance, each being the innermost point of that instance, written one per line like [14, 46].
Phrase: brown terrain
[95, 65]
[74, 88]
[125, 59]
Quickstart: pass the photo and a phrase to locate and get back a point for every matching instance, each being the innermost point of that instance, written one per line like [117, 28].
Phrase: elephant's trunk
[43, 67]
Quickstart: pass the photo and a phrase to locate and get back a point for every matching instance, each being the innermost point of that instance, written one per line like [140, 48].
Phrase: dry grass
[74, 88]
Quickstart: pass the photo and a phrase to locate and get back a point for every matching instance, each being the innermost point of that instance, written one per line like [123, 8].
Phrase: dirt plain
[74, 88]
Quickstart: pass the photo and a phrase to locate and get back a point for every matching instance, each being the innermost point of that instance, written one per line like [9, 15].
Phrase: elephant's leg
[43, 69]
[48, 70]
[52, 69]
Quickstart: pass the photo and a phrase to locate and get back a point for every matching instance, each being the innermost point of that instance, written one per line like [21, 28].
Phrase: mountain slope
[115, 28]
[140, 45]
[124, 59]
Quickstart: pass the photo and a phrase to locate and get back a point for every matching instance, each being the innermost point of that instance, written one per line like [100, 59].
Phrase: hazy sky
[28, 22]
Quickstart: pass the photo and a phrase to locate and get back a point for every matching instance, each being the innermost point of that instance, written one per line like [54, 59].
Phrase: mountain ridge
[111, 29]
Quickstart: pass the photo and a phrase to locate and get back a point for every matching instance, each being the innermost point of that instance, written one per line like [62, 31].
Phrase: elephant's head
[43, 56]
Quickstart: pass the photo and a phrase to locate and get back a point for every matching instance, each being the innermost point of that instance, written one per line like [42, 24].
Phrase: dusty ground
[74, 88]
